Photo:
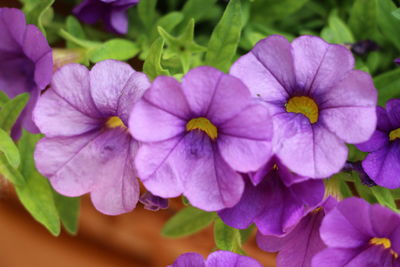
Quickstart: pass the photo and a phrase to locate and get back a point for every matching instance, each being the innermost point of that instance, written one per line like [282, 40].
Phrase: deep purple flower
[298, 247]
[197, 134]
[112, 12]
[215, 259]
[87, 148]
[152, 202]
[383, 163]
[277, 203]
[317, 100]
[397, 61]
[359, 234]
[26, 63]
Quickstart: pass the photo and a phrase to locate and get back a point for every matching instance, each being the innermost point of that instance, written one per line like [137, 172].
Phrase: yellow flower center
[114, 122]
[304, 105]
[204, 125]
[385, 242]
[395, 134]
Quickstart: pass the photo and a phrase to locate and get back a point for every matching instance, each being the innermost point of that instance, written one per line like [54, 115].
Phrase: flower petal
[244, 140]
[227, 258]
[319, 65]
[309, 150]
[12, 29]
[393, 112]
[190, 259]
[349, 108]
[111, 80]
[268, 69]
[335, 257]
[383, 165]
[44, 70]
[35, 45]
[56, 117]
[378, 140]
[118, 21]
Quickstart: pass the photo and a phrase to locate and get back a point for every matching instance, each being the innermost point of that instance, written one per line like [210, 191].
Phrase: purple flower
[26, 63]
[397, 61]
[88, 148]
[197, 134]
[383, 163]
[277, 203]
[112, 12]
[317, 101]
[298, 247]
[152, 202]
[359, 234]
[215, 259]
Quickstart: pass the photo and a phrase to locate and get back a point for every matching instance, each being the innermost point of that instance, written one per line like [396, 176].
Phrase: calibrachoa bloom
[318, 102]
[383, 163]
[298, 247]
[359, 234]
[277, 203]
[26, 63]
[88, 148]
[112, 12]
[197, 134]
[215, 259]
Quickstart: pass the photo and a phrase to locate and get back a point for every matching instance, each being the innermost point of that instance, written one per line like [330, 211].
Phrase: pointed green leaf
[118, 49]
[9, 149]
[74, 28]
[170, 20]
[388, 85]
[396, 13]
[9, 172]
[225, 37]
[36, 193]
[199, 10]
[337, 31]
[384, 197]
[388, 24]
[10, 111]
[152, 65]
[68, 210]
[147, 12]
[363, 19]
[3, 99]
[226, 237]
[187, 221]
[78, 41]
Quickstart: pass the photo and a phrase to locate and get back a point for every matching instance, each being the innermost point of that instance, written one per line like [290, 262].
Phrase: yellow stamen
[395, 134]
[385, 242]
[304, 105]
[204, 125]
[114, 122]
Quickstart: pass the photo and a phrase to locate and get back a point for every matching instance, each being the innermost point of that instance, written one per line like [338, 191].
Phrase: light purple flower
[277, 203]
[298, 247]
[357, 233]
[216, 259]
[383, 163]
[317, 100]
[88, 148]
[26, 63]
[197, 134]
[112, 12]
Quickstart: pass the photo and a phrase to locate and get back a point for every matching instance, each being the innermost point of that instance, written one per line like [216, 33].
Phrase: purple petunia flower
[397, 61]
[383, 163]
[197, 134]
[298, 247]
[277, 203]
[112, 12]
[215, 259]
[318, 102]
[152, 202]
[359, 234]
[26, 63]
[88, 148]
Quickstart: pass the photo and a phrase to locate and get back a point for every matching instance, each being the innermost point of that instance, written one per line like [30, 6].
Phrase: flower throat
[204, 125]
[114, 122]
[304, 105]
[395, 134]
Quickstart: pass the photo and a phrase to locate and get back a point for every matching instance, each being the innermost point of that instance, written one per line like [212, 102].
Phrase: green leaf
[388, 85]
[3, 99]
[199, 10]
[388, 25]
[9, 149]
[170, 20]
[337, 31]
[78, 41]
[396, 13]
[363, 190]
[36, 193]
[147, 13]
[225, 37]
[187, 221]
[384, 197]
[74, 28]
[10, 111]
[269, 10]
[68, 210]
[36, 12]
[118, 49]
[152, 65]
[363, 19]
[226, 237]
[9, 172]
